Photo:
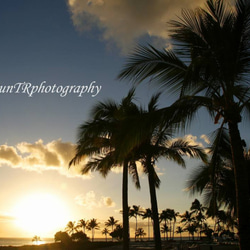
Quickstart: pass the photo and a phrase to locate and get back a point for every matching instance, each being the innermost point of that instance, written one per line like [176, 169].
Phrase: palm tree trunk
[154, 206]
[241, 185]
[173, 229]
[148, 229]
[125, 217]
[170, 229]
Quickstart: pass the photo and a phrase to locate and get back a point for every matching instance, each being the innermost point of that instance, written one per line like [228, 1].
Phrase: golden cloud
[40, 156]
[90, 201]
[124, 22]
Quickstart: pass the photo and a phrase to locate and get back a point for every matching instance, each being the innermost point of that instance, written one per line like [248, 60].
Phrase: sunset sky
[68, 44]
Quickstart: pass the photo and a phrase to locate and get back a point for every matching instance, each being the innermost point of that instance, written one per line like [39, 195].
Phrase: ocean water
[28, 241]
[23, 241]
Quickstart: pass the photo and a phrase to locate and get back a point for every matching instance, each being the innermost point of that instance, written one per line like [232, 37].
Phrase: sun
[41, 214]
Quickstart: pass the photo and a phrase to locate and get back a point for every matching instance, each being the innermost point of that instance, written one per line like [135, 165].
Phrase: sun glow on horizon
[41, 214]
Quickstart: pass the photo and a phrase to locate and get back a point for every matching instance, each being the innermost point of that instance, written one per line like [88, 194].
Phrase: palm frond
[148, 62]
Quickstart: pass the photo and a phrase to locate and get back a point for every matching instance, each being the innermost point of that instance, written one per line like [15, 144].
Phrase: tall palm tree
[208, 66]
[146, 141]
[93, 225]
[148, 215]
[169, 215]
[164, 216]
[105, 231]
[175, 214]
[140, 232]
[135, 212]
[187, 219]
[192, 228]
[165, 230]
[111, 222]
[216, 179]
[156, 141]
[100, 140]
[71, 227]
[83, 224]
[197, 209]
[179, 230]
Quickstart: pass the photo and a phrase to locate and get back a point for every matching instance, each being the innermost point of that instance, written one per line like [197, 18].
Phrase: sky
[58, 59]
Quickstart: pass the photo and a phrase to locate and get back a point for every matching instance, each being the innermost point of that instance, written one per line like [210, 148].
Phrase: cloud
[90, 201]
[124, 22]
[108, 202]
[38, 156]
[6, 217]
[192, 139]
[205, 138]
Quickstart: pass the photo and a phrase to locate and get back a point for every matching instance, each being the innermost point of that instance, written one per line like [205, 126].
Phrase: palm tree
[134, 212]
[83, 224]
[174, 215]
[36, 239]
[216, 179]
[197, 209]
[169, 215]
[105, 231]
[192, 228]
[111, 222]
[100, 139]
[92, 226]
[179, 230]
[146, 142]
[155, 141]
[71, 227]
[164, 216]
[187, 220]
[209, 66]
[140, 232]
[148, 215]
[165, 230]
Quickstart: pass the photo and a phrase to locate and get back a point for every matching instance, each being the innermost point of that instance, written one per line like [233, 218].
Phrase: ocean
[23, 241]
[28, 241]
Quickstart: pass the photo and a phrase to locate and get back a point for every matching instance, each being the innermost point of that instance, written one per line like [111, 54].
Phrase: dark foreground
[59, 246]
[118, 246]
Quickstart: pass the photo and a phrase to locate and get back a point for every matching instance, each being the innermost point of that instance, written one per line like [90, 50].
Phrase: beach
[118, 246]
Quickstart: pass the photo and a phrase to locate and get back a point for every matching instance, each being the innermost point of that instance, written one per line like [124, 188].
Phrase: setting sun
[40, 213]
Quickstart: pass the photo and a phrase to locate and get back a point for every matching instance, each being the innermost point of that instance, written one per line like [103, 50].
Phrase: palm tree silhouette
[192, 228]
[92, 226]
[155, 141]
[36, 239]
[208, 66]
[134, 212]
[165, 230]
[83, 224]
[197, 209]
[71, 227]
[164, 216]
[187, 220]
[105, 231]
[148, 215]
[140, 232]
[100, 139]
[179, 230]
[111, 222]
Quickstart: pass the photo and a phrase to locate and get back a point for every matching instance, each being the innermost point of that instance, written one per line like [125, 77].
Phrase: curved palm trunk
[125, 216]
[241, 185]
[154, 207]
